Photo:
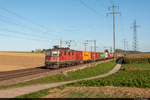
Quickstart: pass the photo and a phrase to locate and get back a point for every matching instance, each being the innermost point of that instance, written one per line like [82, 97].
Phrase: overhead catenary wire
[22, 17]
[25, 33]
[38, 31]
[22, 33]
[46, 31]
[26, 38]
[25, 26]
[19, 37]
[90, 8]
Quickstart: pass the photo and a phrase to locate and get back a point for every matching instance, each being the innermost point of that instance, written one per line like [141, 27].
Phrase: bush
[137, 60]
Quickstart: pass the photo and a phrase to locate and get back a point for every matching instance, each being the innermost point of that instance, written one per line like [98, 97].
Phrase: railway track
[26, 72]
[21, 73]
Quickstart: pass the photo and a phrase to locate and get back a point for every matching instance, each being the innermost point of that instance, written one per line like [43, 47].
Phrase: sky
[26, 25]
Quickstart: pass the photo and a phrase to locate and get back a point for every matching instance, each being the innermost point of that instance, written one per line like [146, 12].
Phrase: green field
[134, 78]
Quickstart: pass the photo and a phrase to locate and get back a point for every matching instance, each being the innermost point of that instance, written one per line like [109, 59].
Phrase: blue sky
[71, 20]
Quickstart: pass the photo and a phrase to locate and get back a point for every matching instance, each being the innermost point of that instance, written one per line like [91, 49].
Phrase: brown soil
[15, 61]
[101, 92]
[134, 68]
[138, 55]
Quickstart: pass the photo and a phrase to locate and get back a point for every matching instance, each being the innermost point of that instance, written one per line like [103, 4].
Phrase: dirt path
[11, 93]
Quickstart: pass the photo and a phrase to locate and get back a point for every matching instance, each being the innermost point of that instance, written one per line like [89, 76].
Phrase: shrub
[137, 60]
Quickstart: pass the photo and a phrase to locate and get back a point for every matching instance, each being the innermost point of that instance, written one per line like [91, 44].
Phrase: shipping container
[86, 55]
[101, 55]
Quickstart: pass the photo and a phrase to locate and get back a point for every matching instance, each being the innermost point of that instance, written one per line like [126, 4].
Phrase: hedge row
[137, 60]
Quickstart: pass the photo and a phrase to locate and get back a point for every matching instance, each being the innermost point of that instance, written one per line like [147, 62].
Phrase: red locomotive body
[62, 57]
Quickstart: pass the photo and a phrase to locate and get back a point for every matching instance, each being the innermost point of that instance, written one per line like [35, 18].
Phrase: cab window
[47, 53]
[55, 53]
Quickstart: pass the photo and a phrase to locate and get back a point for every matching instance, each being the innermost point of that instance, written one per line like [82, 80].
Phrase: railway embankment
[64, 79]
[11, 78]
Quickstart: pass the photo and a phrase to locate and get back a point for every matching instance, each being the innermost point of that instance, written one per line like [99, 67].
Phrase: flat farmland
[138, 55]
[15, 61]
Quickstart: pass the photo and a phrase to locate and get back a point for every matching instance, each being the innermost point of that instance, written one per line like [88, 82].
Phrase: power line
[22, 17]
[30, 28]
[18, 37]
[18, 24]
[125, 43]
[27, 20]
[22, 33]
[90, 8]
[24, 26]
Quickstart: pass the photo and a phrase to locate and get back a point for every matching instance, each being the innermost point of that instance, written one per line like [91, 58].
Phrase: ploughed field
[146, 55]
[15, 61]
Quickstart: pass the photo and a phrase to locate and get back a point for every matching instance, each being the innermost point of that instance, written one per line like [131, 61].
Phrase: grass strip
[38, 94]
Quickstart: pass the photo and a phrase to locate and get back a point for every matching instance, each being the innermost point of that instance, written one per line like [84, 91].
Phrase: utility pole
[91, 48]
[85, 45]
[113, 8]
[60, 43]
[135, 26]
[127, 45]
[67, 42]
[95, 50]
[94, 47]
[124, 42]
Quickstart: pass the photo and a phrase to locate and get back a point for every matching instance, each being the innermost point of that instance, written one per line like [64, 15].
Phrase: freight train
[60, 57]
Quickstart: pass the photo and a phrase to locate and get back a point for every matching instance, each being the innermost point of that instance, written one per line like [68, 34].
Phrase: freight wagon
[60, 57]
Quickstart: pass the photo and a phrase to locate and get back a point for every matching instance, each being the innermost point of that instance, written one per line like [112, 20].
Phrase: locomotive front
[52, 58]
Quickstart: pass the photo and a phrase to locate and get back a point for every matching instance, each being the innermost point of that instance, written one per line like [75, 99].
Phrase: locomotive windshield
[47, 53]
[55, 53]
